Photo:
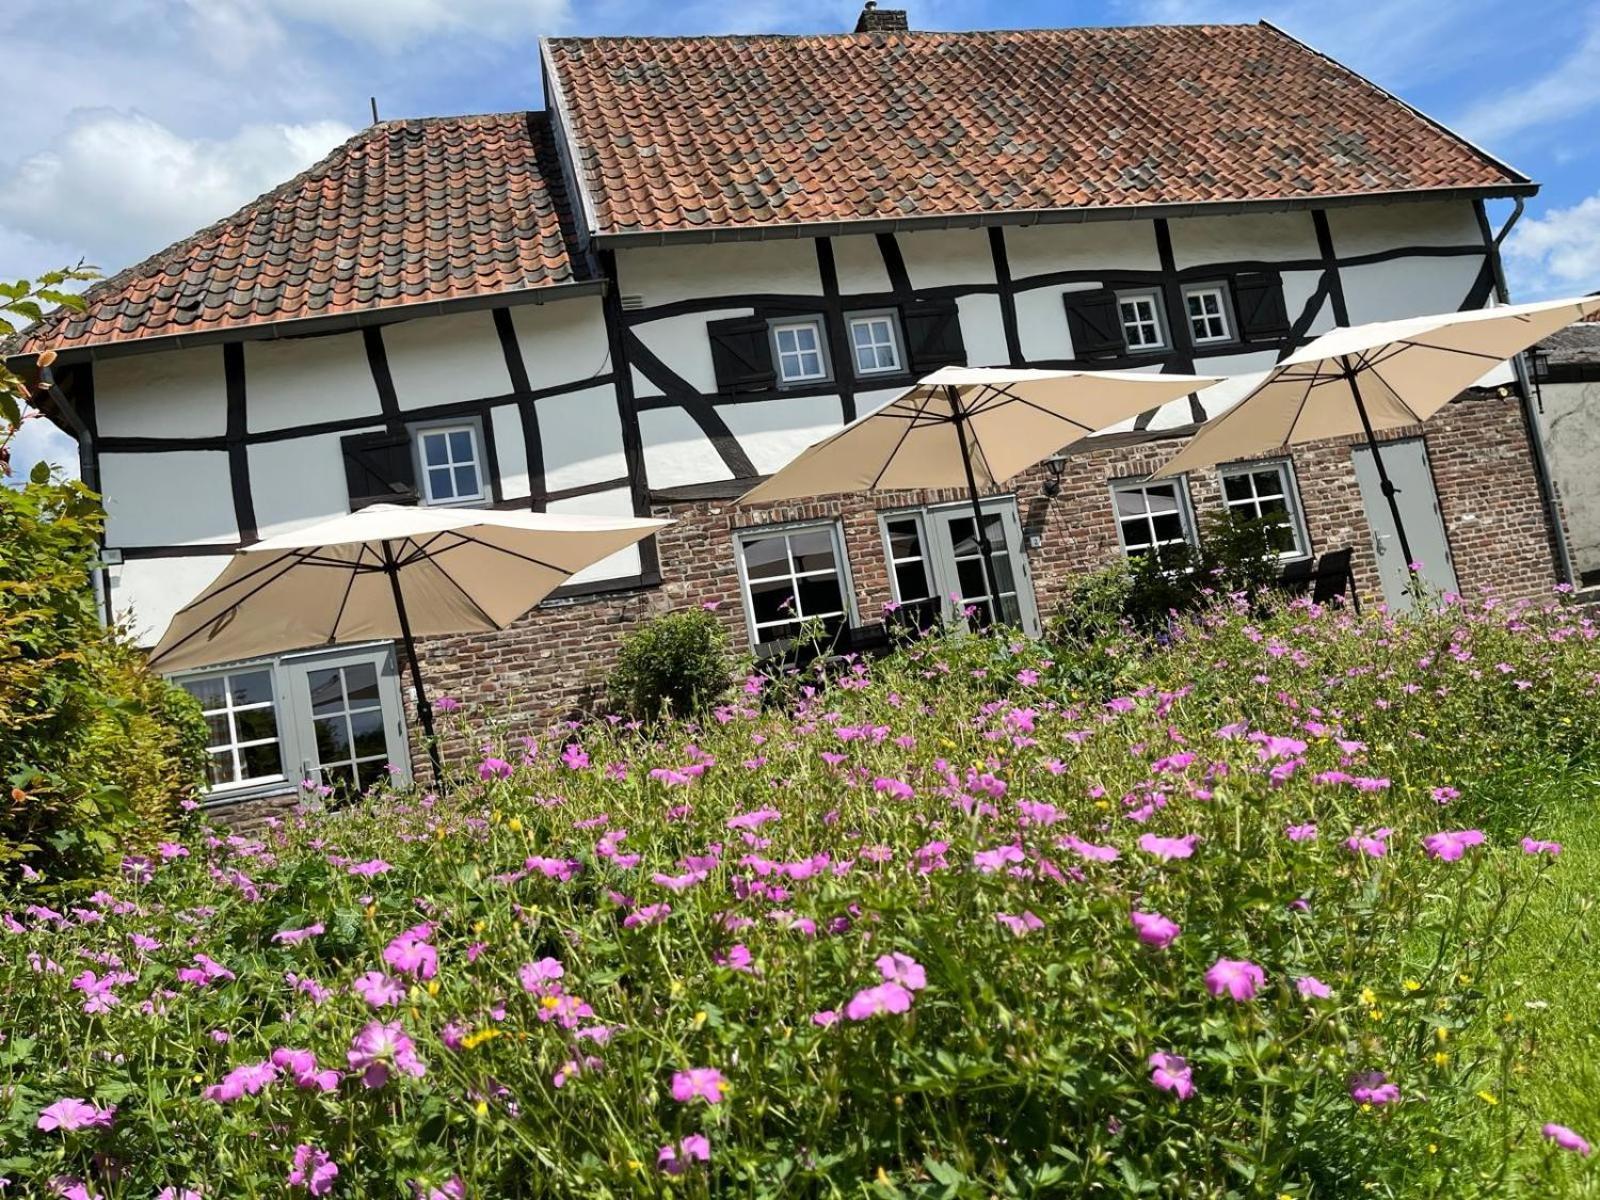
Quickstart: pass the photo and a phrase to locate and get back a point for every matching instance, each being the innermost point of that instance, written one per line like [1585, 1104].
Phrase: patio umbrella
[1362, 379]
[971, 428]
[388, 572]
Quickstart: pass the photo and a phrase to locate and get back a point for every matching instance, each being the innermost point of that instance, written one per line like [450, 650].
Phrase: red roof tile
[678, 134]
[404, 212]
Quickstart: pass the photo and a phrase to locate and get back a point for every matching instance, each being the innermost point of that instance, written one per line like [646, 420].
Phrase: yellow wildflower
[1368, 997]
[1489, 1098]
[1411, 985]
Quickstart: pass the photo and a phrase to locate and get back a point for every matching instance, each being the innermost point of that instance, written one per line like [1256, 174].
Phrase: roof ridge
[321, 168]
[849, 36]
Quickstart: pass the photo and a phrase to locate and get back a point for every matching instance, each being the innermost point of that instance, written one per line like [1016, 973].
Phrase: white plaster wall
[1298, 287]
[619, 503]
[859, 264]
[684, 346]
[676, 452]
[869, 402]
[175, 393]
[663, 274]
[168, 498]
[304, 381]
[582, 438]
[983, 330]
[1042, 322]
[439, 360]
[1094, 245]
[945, 257]
[146, 592]
[1408, 287]
[642, 385]
[1572, 440]
[299, 481]
[773, 432]
[510, 451]
[562, 341]
[1371, 228]
[1197, 241]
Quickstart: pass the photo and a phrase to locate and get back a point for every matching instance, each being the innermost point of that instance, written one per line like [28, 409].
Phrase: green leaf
[40, 473]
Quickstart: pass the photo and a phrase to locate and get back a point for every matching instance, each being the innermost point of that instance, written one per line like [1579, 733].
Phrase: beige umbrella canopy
[967, 427]
[388, 572]
[1364, 379]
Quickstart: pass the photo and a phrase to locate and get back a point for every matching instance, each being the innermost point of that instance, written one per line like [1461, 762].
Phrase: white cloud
[1556, 254]
[1570, 89]
[117, 186]
[397, 24]
[40, 441]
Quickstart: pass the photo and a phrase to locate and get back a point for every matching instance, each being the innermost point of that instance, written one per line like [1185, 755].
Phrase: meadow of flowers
[1228, 922]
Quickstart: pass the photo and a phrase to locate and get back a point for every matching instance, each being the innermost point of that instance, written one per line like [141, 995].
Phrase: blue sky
[142, 120]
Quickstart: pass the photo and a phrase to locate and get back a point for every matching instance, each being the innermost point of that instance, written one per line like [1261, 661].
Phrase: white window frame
[1223, 315]
[1290, 487]
[296, 736]
[819, 329]
[1157, 321]
[938, 555]
[474, 430]
[234, 745]
[1143, 487]
[896, 343]
[756, 533]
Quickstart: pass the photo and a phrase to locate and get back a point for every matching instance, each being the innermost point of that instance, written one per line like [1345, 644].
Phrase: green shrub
[676, 663]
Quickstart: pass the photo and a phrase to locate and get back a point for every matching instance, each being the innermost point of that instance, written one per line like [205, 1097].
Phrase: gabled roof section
[410, 212]
[733, 135]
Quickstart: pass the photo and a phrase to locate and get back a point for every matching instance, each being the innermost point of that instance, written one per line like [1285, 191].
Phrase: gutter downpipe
[1530, 410]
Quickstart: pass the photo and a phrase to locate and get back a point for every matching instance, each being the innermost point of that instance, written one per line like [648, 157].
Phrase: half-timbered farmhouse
[701, 254]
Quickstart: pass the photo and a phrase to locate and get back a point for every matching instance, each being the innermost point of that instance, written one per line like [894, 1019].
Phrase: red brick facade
[555, 661]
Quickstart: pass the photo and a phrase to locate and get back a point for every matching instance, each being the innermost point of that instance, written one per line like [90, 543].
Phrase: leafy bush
[676, 663]
[940, 929]
[95, 751]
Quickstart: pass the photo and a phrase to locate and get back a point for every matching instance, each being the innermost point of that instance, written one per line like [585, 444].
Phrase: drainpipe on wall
[1530, 410]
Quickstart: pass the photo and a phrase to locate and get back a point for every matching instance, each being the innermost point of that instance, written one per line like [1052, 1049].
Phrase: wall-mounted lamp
[1539, 364]
[1055, 465]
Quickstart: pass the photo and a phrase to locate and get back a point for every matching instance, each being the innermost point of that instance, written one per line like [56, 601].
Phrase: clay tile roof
[741, 132]
[405, 212]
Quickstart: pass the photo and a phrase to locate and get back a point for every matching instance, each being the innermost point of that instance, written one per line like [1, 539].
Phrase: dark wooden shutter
[933, 335]
[741, 355]
[378, 469]
[1094, 322]
[1258, 301]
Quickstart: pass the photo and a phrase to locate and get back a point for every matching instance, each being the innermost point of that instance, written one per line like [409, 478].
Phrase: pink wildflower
[1312, 988]
[1372, 1087]
[1534, 846]
[675, 1160]
[1166, 848]
[301, 1065]
[380, 1047]
[1172, 1073]
[1239, 979]
[293, 937]
[378, 989]
[1566, 1138]
[313, 1169]
[1450, 846]
[1373, 845]
[704, 1083]
[245, 1080]
[1301, 833]
[1026, 923]
[902, 969]
[72, 1113]
[411, 954]
[1154, 929]
[888, 997]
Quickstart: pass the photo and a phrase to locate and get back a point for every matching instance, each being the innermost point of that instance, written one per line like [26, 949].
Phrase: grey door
[349, 720]
[1407, 464]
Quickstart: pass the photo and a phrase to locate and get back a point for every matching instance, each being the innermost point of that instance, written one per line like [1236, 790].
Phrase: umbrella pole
[1385, 484]
[984, 548]
[424, 708]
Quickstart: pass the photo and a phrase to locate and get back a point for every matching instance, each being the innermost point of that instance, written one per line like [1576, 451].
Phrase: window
[937, 571]
[242, 714]
[332, 717]
[1140, 314]
[792, 576]
[875, 342]
[797, 347]
[1207, 308]
[1267, 490]
[1151, 517]
[449, 461]
[916, 594]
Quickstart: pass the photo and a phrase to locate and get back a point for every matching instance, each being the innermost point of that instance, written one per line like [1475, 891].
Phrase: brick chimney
[881, 20]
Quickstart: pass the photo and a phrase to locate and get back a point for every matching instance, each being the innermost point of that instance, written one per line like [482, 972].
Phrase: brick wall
[554, 661]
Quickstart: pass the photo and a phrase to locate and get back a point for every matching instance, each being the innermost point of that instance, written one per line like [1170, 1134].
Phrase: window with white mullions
[875, 342]
[971, 583]
[241, 715]
[1140, 314]
[792, 577]
[1207, 308]
[911, 575]
[1151, 517]
[797, 350]
[450, 464]
[1267, 491]
[347, 724]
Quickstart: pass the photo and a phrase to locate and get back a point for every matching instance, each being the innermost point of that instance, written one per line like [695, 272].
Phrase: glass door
[937, 564]
[350, 720]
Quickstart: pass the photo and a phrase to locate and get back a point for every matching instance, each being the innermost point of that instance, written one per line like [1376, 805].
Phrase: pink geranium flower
[301, 1066]
[675, 1160]
[245, 1080]
[1373, 1087]
[539, 977]
[1019, 925]
[1566, 1138]
[313, 1169]
[1373, 845]
[378, 989]
[1301, 833]
[1154, 929]
[411, 954]
[293, 937]
[703, 1083]
[1172, 1073]
[885, 998]
[1238, 979]
[1534, 846]
[380, 1047]
[1450, 846]
[904, 970]
[72, 1113]
[1166, 848]
[1312, 988]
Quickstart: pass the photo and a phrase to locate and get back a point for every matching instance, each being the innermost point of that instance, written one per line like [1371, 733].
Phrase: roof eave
[1050, 216]
[263, 331]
